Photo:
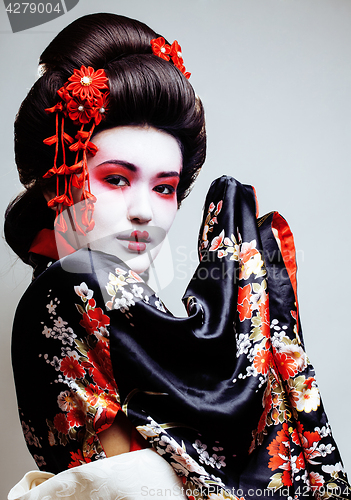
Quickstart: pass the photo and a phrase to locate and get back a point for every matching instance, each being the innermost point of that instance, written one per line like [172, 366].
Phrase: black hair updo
[144, 90]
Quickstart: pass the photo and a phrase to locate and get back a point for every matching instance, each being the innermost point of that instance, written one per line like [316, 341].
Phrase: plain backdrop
[275, 80]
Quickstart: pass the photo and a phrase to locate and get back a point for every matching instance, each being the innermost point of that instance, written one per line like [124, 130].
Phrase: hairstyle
[144, 90]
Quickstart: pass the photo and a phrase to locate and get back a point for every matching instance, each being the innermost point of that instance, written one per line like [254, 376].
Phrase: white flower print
[277, 340]
[67, 351]
[118, 270]
[189, 463]
[309, 400]
[204, 458]
[333, 468]
[325, 449]
[324, 431]
[59, 323]
[251, 371]
[83, 291]
[243, 344]
[164, 441]
[118, 281]
[51, 307]
[47, 332]
[199, 447]
[218, 461]
[137, 291]
[56, 363]
[297, 353]
[250, 261]
[125, 301]
[160, 306]
[150, 430]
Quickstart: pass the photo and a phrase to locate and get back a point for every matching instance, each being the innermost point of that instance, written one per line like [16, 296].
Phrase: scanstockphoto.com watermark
[25, 15]
[199, 492]
[179, 491]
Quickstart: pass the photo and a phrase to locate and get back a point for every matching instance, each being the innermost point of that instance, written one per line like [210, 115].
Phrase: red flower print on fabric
[264, 315]
[100, 366]
[316, 480]
[78, 459]
[105, 417]
[98, 315]
[93, 392]
[286, 365]
[216, 242]
[244, 310]
[244, 293]
[71, 368]
[61, 423]
[279, 449]
[262, 361]
[76, 417]
[89, 324]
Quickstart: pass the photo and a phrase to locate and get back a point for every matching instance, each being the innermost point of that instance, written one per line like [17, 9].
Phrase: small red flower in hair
[87, 83]
[176, 54]
[101, 107]
[80, 111]
[160, 48]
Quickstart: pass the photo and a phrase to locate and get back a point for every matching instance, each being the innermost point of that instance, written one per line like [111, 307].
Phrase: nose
[139, 207]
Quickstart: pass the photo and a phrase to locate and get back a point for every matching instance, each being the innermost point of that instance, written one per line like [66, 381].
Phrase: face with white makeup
[134, 176]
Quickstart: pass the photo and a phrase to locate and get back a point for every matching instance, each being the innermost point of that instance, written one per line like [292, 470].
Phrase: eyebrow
[133, 168]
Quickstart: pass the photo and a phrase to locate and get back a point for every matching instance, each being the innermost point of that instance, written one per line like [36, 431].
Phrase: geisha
[220, 404]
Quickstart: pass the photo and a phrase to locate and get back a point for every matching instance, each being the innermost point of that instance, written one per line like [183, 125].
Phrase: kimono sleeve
[64, 381]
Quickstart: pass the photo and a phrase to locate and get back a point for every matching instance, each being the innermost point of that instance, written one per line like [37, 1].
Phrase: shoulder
[65, 275]
[59, 297]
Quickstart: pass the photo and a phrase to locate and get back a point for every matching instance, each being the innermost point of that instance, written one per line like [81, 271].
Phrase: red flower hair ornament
[174, 52]
[84, 99]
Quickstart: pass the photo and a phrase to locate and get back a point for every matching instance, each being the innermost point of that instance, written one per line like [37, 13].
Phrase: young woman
[108, 143]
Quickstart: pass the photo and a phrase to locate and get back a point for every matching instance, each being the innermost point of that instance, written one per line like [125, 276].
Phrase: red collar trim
[46, 243]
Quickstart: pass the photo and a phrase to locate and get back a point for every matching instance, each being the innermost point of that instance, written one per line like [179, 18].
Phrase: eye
[117, 180]
[164, 189]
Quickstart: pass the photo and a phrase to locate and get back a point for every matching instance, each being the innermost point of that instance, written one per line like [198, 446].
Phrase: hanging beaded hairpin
[161, 49]
[84, 99]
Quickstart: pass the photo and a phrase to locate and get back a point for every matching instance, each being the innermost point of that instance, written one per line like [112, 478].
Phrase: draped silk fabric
[227, 396]
[131, 476]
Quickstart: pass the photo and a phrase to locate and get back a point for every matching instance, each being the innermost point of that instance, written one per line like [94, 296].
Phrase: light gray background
[275, 79]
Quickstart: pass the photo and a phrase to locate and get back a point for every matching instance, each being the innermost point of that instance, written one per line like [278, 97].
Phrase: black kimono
[227, 396]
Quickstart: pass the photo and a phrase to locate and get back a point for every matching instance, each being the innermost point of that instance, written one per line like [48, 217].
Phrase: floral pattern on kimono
[227, 395]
